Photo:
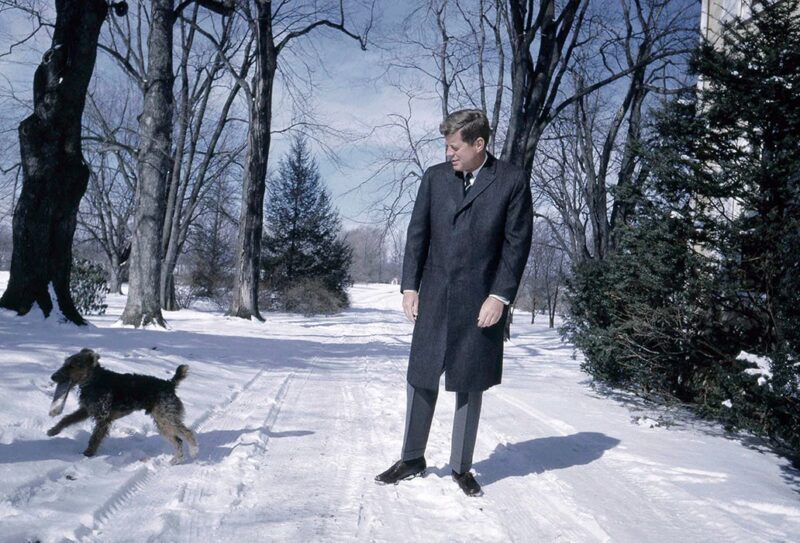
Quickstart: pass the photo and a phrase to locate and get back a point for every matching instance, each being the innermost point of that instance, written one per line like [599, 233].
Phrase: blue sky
[353, 94]
[350, 95]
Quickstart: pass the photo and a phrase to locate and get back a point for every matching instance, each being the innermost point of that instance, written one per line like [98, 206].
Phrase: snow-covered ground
[296, 415]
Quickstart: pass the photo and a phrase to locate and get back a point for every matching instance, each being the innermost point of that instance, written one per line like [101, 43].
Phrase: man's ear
[479, 144]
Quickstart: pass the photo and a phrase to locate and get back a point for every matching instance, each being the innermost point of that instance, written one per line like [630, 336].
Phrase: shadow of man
[543, 454]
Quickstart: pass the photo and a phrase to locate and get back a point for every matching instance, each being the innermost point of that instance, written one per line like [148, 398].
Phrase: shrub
[88, 286]
[310, 296]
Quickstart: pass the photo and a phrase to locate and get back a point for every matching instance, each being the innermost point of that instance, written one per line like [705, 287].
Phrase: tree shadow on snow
[215, 445]
[680, 416]
[791, 474]
[543, 454]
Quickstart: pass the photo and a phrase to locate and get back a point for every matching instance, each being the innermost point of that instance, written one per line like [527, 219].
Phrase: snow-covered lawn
[296, 415]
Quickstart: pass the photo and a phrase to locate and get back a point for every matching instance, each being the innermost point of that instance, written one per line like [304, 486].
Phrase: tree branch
[323, 22]
[224, 7]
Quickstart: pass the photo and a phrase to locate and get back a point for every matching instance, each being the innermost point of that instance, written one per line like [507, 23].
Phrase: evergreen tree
[710, 264]
[751, 107]
[303, 245]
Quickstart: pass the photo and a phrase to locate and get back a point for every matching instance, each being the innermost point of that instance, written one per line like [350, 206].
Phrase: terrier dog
[106, 396]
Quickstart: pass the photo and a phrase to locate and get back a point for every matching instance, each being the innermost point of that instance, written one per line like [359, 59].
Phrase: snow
[762, 364]
[296, 415]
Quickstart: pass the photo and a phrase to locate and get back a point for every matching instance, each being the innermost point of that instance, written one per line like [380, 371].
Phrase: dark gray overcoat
[458, 251]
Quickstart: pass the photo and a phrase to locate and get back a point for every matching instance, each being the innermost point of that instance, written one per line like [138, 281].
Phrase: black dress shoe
[402, 470]
[467, 483]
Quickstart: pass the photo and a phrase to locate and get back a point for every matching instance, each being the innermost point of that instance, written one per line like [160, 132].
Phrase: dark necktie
[467, 183]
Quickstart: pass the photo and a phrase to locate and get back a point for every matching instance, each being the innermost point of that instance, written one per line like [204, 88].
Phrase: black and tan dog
[106, 396]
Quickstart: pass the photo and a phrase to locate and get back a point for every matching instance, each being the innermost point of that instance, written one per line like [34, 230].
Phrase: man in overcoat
[467, 244]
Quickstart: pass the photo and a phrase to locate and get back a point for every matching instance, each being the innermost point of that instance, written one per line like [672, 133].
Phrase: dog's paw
[88, 453]
[176, 460]
[193, 450]
[54, 431]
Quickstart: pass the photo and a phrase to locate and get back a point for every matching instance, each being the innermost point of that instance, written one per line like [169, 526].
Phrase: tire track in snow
[119, 502]
[197, 527]
[223, 406]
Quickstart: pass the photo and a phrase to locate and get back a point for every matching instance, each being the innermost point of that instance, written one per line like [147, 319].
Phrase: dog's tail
[180, 374]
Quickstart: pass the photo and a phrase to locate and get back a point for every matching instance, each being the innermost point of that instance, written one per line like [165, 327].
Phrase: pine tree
[710, 263]
[751, 106]
[305, 260]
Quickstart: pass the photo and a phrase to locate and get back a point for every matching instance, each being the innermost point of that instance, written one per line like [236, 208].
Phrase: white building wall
[717, 12]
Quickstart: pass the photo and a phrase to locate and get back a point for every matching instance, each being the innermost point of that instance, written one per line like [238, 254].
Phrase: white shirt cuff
[496, 297]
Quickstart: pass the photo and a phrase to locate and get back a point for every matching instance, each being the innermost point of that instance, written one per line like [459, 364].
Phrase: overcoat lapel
[485, 178]
[456, 189]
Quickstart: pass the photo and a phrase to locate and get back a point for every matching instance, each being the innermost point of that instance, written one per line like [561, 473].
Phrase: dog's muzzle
[63, 386]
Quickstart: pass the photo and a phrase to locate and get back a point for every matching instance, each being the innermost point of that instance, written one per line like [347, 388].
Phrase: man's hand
[491, 311]
[411, 305]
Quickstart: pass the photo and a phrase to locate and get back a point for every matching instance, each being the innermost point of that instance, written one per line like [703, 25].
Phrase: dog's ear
[90, 354]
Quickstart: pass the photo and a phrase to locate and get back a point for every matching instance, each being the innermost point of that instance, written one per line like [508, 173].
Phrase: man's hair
[472, 123]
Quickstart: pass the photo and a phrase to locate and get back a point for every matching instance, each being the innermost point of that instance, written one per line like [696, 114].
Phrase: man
[466, 248]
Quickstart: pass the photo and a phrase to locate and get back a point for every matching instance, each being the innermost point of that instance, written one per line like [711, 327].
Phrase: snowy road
[295, 416]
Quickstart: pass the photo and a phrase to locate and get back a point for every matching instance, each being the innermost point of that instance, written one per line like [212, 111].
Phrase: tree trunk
[507, 326]
[552, 307]
[114, 275]
[623, 200]
[534, 85]
[172, 209]
[182, 202]
[55, 174]
[168, 293]
[248, 247]
[155, 137]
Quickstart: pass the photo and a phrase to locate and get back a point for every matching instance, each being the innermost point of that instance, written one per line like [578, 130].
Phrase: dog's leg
[98, 434]
[188, 435]
[166, 427]
[178, 444]
[72, 418]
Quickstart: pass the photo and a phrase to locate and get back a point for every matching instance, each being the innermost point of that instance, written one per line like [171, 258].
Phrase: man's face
[465, 157]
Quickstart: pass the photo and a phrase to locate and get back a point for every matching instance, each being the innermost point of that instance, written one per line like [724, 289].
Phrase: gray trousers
[419, 415]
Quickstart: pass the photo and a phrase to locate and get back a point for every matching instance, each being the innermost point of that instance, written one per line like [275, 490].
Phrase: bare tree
[544, 274]
[203, 147]
[588, 161]
[5, 246]
[528, 297]
[466, 51]
[275, 25]
[55, 174]
[369, 258]
[211, 240]
[202, 153]
[143, 306]
[535, 82]
[106, 212]
[474, 47]
[553, 266]
[558, 179]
